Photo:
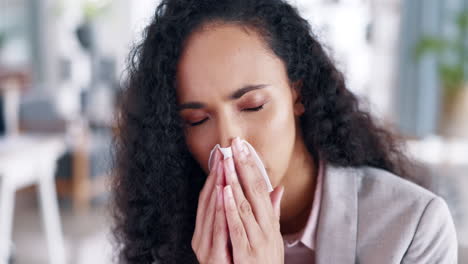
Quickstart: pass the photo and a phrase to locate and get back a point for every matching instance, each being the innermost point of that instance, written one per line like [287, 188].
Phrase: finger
[207, 189]
[207, 224]
[220, 231]
[276, 195]
[236, 229]
[243, 206]
[254, 185]
[204, 196]
[206, 230]
[220, 176]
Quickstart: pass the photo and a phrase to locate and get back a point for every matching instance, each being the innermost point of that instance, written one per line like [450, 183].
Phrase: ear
[297, 98]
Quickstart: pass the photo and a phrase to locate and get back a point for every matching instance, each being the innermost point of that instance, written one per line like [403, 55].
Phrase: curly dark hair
[157, 181]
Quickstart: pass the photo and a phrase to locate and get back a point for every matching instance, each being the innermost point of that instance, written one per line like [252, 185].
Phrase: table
[27, 160]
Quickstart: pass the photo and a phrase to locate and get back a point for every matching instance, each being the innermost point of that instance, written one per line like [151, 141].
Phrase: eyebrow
[235, 95]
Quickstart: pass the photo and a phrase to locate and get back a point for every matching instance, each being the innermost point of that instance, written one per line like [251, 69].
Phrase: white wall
[369, 67]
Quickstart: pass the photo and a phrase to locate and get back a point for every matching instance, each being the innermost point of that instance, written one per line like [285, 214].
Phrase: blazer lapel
[337, 223]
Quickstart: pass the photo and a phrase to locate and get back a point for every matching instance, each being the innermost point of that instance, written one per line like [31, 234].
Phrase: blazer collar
[337, 223]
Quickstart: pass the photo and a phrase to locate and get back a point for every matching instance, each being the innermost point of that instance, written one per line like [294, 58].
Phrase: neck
[299, 185]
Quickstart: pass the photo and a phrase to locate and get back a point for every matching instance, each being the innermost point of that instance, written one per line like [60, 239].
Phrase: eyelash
[256, 109]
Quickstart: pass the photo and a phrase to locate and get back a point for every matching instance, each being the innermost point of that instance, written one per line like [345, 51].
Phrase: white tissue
[227, 152]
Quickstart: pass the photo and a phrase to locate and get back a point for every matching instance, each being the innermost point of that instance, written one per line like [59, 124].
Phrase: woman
[211, 71]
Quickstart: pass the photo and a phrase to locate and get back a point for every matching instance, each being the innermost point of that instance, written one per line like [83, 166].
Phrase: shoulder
[375, 183]
[398, 214]
[377, 186]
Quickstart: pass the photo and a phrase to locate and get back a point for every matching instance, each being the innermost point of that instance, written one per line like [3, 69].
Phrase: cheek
[279, 122]
[277, 136]
[198, 150]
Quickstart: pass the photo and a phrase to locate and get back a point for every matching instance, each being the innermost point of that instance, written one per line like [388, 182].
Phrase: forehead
[224, 57]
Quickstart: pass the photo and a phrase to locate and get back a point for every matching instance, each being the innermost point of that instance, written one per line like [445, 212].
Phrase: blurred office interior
[62, 65]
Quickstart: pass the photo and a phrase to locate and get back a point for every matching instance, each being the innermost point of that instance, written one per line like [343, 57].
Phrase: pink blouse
[300, 247]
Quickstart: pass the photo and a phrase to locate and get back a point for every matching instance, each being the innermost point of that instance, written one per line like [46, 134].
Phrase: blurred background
[62, 63]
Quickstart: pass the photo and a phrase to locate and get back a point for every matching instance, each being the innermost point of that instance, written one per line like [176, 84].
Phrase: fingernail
[230, 174]
[215, 164]
[282, 192]
[217, 155]
[229, 196]
[230, 164]
[218, 196]
[240, 148]
[214, 160]
[238, 144]
[245, 148]
[219, 167]
[219, 173]
[228, 190]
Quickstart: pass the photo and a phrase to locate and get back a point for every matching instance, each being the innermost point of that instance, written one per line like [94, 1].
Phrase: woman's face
[224, 75]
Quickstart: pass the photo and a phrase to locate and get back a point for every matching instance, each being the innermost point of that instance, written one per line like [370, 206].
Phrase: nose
[227, 131]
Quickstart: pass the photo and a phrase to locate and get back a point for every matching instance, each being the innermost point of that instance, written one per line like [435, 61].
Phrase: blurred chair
[83, 169]
[26, 160]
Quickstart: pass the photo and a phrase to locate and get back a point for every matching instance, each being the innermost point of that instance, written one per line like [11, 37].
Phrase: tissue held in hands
[227, 152]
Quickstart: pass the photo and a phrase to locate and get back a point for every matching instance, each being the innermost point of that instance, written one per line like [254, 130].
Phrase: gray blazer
[369, 216]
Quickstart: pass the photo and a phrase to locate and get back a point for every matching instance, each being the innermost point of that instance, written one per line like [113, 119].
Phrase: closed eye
[198, 123]
[255, 109]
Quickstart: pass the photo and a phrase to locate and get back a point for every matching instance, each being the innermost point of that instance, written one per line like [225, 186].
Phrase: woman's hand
[253, 217]
[210, 239]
